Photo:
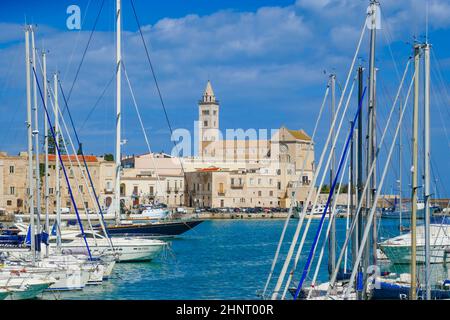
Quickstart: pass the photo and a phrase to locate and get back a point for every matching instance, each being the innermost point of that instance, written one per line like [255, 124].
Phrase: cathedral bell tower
[208, 108]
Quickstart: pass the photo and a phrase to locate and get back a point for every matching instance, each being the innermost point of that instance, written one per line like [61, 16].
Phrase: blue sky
[267, 61]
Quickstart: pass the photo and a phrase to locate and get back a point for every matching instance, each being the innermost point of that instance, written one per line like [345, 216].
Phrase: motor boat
[152, 212]
[398, 249]
[316, 211]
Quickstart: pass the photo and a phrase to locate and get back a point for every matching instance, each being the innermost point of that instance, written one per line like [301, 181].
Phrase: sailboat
[362, 282]
[91, 243]
[22, 286]
[64, 277]
[427, 244]
[138, 225]
[125, 249]
[399, 288]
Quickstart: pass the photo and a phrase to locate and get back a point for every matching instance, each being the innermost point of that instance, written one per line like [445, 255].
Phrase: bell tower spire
[208, 95]
[208, 124]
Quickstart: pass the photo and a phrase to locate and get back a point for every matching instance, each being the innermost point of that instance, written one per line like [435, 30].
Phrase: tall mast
[400, 201]
[352, 183]
[371, 132]
[374, 176]
[118, 107]
[427, 193]
[36, 138]
[57, 165]
[414, 170]
[359, 173]
[332, 240]
[349, 193]
[30, 145]
[371, 128]
[46, 193]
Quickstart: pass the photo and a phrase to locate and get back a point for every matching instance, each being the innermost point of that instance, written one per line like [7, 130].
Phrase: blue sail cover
[37, 238]
[45, 238]
[360, 282]
[53, 232]
[28, 238]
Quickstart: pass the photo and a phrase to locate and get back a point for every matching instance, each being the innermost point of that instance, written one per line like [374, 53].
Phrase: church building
[246, 171]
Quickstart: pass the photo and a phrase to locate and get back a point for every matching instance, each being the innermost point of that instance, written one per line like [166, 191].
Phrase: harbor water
[219, 259]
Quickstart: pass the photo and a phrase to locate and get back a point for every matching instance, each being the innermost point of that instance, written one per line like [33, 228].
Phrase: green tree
[52, 144]
[325, 189]
[80, 149]
[108, 157]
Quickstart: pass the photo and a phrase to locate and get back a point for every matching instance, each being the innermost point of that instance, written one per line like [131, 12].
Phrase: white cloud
[255, 59]
[313, 4]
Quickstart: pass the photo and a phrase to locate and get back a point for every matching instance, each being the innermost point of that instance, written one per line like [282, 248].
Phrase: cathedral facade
[244, 170]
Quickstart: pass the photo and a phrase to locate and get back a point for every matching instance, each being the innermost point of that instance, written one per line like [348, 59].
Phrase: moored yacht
[125, 248]
[21, 286]
[153, 212]
[398, 249]
[152, 229]
[69, 274]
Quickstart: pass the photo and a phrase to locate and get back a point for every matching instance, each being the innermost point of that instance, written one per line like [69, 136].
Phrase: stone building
[150, 178]
[214, 187]
[245, 170]
[248, 157]
[14, 182]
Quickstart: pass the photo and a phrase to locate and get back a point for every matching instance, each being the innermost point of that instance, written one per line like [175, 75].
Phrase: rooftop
[52, 157]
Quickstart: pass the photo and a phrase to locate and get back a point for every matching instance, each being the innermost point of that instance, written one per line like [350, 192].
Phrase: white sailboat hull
[28, 292]
[64, 279]
[24, 286]
[125, 251]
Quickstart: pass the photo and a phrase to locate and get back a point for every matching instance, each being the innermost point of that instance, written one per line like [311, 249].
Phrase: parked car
[181, 210]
